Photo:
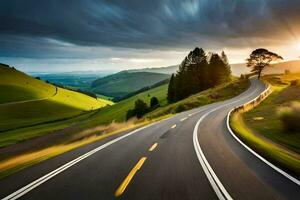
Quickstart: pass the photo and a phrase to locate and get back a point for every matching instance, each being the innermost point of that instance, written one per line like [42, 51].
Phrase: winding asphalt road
[189, 156]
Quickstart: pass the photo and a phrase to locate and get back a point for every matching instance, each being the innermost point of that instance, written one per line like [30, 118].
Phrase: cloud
[98, 28]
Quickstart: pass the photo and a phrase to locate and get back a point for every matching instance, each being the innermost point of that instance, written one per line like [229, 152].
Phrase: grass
[263, 130]
[21, 134]
[17, 86]
[270, 126]
[269, 150]
[123, 83]
[41, 103]
[19, 162]
[117, 112]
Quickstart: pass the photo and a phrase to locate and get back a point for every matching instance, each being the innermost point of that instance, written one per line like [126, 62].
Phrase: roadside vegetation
[272, 128]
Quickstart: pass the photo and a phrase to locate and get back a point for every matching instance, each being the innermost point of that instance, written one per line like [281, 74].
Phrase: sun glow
[298, 45]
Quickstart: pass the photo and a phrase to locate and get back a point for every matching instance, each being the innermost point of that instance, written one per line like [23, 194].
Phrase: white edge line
[293, 179]
[20, 192]
[216, 184]
[212, 177]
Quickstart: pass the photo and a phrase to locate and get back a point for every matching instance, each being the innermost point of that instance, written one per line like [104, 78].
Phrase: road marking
[183, 119]
[129, 177]
[191, 114]
[27, 188]
[153, 147]
[216, 184]
[174, 126]
[293, 179]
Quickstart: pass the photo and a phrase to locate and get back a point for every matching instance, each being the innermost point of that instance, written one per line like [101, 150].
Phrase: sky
[82, 35]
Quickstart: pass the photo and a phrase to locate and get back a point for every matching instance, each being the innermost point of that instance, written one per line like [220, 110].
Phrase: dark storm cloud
[34, 28]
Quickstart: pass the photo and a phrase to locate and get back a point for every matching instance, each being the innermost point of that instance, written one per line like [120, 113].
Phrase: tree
[260, 59]
[224, 58]
[141, 108]
[154, 102]
[219, 72]
[195, 74]
[171, 89]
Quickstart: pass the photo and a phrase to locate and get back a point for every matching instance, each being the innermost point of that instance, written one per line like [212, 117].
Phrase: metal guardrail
[254, 102]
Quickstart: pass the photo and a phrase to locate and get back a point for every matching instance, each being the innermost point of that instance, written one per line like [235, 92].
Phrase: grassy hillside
[262, 129]
[279, 68]
[17, 86]
[26, 101]
[123, 83]
[118, 111]
[163, 70]
[265, 120]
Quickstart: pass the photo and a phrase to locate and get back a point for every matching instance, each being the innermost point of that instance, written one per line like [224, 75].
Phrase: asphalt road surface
[189, 156]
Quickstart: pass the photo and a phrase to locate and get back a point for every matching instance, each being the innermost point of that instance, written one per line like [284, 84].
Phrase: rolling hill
[162, 70]
[123, 83]
[26, 101]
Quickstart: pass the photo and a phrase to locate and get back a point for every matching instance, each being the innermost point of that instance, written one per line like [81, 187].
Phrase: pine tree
[171, 89]
[218, 70]
[195, 74]
[224, 58]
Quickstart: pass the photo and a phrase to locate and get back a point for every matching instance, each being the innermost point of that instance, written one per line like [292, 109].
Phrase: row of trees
[198, 72]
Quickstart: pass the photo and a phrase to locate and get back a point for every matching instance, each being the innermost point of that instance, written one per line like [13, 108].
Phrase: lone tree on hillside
[260, 59]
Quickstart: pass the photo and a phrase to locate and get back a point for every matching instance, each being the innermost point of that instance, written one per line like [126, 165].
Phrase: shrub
[180, 108]
[295, 82]
[290, 116]
[287, 72]
[154, 103]
[140, 109]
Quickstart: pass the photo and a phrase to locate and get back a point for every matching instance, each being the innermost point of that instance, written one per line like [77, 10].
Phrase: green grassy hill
[262, 129]
[26, 101]
[269, 124]
[123, 83]
[17, 86]
[118, 111]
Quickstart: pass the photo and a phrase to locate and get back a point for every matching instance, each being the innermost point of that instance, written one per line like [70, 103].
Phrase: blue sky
[77, 35]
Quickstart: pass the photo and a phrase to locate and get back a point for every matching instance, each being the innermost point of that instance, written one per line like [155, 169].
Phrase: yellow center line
[129, 177]
[153, 147]
[174, 126]
[183, 119]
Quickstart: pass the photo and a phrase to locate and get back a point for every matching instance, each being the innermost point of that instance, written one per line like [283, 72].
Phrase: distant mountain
[162, 70]
[79, 80]
[237, 69]
[125, 82]
[292, 66]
